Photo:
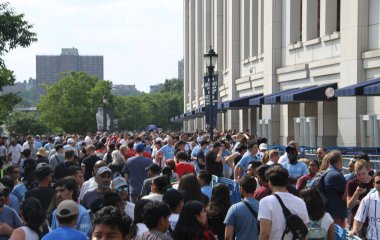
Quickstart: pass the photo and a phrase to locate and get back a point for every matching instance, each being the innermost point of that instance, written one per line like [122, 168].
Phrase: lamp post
[10, 126]
[104, 98]
[211, 89]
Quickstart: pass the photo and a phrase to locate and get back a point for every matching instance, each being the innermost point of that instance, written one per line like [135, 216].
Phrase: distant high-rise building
[49, 67]
[124, 90]
[180, 69]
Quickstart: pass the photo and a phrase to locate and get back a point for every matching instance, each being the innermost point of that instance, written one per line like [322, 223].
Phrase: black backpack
[294, 223]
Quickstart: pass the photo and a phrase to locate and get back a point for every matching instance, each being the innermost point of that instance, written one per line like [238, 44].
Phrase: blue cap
[140, 147]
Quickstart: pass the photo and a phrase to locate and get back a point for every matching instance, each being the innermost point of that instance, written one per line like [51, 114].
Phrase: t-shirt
[43, 194]
[207, 190]
[244, 162]
[89, 163]
[168, 151]
[296, 170]
[215, 168]
[369, 208]
[61, 169]
[146, 186]
[135, 168]
[238, 216]
[10, 217]
[64, 233]
[283, 159]
[15, 151]
[262, 192]
[351, 188]
[325, 222]
[183, 167]
[270, 209]
[90, 197]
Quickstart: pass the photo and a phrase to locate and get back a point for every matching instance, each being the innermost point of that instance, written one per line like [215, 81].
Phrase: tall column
[199, 51]
[287, 114]
[327, 123]
[233, 119]
[272, 61]
[186, 89]
[354, 40]
[191, 67]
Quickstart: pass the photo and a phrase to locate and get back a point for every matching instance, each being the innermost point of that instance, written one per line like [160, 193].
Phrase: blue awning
[269, 99]
[356, 89]
[372, 90]
[307, 94]
[239, 103]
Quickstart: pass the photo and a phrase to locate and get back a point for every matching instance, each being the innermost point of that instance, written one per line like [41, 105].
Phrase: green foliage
[173, 85]
[70, 104]
[14, 32]
[24, 123]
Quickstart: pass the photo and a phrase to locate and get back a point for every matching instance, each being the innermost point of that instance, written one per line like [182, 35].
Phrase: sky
[141, 40]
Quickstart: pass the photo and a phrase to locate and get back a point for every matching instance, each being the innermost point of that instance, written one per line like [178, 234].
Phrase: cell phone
[362, 185]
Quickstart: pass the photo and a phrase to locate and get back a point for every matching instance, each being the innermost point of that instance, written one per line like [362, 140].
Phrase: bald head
[98, 165]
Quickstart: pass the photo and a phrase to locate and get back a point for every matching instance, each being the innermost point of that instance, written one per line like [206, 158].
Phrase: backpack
[316, 232]
[294, 223]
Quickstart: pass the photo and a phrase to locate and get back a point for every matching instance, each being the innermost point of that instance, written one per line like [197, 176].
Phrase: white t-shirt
[153, 197]
[326, 221]
[16, 153]
[369, 208]
[88, 185]
[173, 219]
[130, 209]
[283, 159]
[270, 209]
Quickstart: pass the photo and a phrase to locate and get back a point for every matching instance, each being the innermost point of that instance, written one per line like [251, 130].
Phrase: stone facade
[268, 46]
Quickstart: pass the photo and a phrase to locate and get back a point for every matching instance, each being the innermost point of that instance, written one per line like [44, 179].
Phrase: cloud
[141, 41]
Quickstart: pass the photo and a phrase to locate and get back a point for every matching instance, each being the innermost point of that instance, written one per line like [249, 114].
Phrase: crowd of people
[157, 185]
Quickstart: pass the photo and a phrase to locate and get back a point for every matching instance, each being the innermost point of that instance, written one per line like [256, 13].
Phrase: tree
[14, 32]
[71, 104]
[25, 123]
[173, 85]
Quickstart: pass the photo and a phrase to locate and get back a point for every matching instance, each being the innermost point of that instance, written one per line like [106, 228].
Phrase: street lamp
[104, 98]
[10, 126]
[211, 88]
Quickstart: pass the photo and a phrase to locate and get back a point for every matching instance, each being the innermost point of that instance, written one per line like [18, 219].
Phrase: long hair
[33, 214]
[220, 202]
[188, 226]
[190, 185]
[314, 203]
[117, 158]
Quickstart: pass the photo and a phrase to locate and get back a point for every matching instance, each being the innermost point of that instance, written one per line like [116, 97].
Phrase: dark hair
[66, 220]
[111, 146]
[161, 183]
[325, 149]
[241, 147]
[138, 211]
[26, 153]
[70, 184]
[173, 198]
[33, 214]
[182, 155]
[315, 161]
[277, 175]
[72, 170]
[251, 145]
[114, 218]
[314, 203]
[220, 202]
[167, 171]
[362, 155]
[111, 199]
[10, 169]
[190, 185]
[333, 157]
[69, 154]
[188, 226]
[58, 146]
[261, 171]
[7, 181]
[153, 212]
[204, 175]
[248, 183]
[130, 144]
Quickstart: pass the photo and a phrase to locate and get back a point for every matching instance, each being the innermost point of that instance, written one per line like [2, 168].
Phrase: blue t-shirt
[14, 203]
[83, 225]
[135, 168]
[19, 191]
[168, 151]
[10, 217]
[244, 223]
[297, 170]
[207, 190]
[195, 151]
[65, 233]
[244, 162]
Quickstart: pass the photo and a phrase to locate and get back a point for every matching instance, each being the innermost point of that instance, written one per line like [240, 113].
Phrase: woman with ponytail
[34, 218]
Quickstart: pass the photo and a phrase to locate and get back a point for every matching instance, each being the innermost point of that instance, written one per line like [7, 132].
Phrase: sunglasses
[120, 189]
[377, 182]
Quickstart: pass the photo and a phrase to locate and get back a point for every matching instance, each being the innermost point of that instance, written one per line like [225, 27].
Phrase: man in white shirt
[369, 208]
[15, 151]
[284, 158]
[271, 216]
[91, 183]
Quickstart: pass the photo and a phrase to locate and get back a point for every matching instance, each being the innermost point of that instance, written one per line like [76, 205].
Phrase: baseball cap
[67, 208]
[263, 146]
[42, 170]
[159, 139]
[154, 168]
[140, 147]
[70, 141]
[290, 147]
[119, 182]
[102, 170]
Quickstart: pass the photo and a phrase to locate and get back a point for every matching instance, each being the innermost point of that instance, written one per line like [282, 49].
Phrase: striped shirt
[370, 208]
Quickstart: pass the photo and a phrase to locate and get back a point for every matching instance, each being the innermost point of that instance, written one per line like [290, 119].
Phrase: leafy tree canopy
[71, 104]
[24, 123]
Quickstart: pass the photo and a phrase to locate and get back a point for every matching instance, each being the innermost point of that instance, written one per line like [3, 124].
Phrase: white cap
[263, 146]
[70, 141]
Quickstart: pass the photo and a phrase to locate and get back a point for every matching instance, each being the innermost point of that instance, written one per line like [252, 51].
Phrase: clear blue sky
[141, 40]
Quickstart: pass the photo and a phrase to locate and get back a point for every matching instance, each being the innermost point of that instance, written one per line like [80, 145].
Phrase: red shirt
[129, 153]
[350, 190]
[262, 192]
[183, 167]
[301, 183]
